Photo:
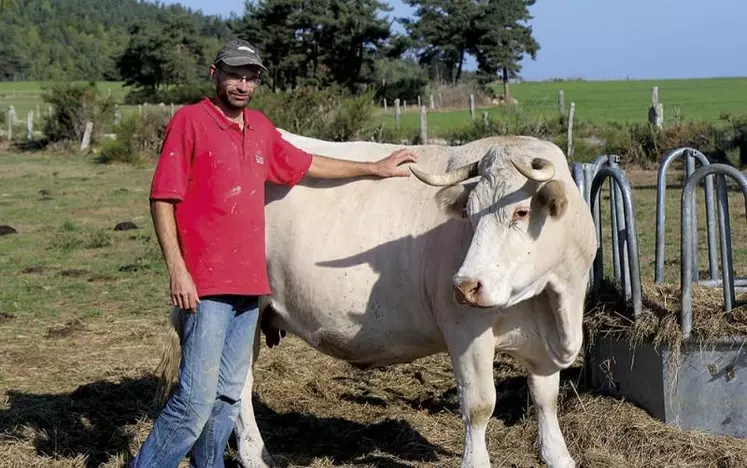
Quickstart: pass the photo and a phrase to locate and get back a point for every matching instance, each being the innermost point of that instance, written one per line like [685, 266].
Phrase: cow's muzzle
[467, 291]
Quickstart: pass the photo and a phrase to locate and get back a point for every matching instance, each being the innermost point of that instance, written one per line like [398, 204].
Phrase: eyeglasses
[234, 78]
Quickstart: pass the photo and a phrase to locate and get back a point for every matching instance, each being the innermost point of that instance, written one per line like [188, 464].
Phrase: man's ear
[452, 200]
[552, 197]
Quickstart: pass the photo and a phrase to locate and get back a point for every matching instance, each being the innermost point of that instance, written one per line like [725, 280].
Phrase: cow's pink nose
[467, 291]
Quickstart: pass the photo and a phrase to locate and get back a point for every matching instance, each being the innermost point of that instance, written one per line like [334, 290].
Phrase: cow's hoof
[257, 462]
[561, 462]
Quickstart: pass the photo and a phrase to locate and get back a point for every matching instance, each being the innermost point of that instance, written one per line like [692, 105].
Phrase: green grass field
[599, 102]
[24, 96]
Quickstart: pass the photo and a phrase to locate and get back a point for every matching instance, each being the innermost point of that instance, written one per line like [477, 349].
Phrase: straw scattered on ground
[85, 399]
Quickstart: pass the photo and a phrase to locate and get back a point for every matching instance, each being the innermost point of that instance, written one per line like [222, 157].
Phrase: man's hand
[390, 166]
[183, 290]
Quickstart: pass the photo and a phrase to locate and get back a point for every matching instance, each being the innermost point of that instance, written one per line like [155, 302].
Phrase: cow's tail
[168, 369]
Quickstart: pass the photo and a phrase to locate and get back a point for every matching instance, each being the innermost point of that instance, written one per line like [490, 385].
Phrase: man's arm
[331, 168]
[183, 290]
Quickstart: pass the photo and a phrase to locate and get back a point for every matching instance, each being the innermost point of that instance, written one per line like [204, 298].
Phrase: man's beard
[230, 102]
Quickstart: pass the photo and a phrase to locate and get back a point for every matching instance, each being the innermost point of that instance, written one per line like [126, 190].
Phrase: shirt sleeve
[288, 164]
[174, 161]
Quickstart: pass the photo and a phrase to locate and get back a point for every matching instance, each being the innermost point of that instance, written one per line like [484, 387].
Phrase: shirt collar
[223, 122]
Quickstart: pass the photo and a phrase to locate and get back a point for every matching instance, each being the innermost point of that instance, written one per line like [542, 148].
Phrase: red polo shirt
[216, 174]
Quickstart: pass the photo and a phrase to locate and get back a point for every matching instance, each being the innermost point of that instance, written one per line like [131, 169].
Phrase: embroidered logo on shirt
[259, 158]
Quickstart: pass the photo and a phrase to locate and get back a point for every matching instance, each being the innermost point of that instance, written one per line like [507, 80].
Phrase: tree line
[320, 43]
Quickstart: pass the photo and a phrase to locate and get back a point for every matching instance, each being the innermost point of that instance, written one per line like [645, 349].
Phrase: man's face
[235, 86]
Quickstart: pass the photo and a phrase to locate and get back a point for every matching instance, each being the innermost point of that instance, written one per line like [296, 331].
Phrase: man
[207, 205]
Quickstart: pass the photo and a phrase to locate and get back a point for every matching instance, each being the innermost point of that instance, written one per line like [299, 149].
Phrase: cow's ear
[452, 200]
[552, 196]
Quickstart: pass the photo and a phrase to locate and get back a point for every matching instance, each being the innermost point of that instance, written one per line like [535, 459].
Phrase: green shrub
[73, 105]
[712, 140]
[139, 138]
[331, 113]
[738, 130]
[406, 88]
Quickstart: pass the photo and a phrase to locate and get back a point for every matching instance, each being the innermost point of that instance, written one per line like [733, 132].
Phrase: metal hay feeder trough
[708, 391]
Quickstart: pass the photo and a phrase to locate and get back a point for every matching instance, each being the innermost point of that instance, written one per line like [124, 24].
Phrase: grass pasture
[25, 95]
[599, 102]
[83, 307]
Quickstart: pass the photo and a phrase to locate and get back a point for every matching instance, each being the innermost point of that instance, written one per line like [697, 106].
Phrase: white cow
[378, 272]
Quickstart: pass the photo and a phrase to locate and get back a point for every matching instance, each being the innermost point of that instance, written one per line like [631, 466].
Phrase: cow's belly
[343, 314]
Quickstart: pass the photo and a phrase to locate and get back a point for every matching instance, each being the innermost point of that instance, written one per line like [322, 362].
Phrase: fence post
[10, 123]
[419, 103]
[472, 106]
[385, 105]
[117, 115]
[561, 102]
[30, 126]
[423, 126]
[172, 109]
[570, 129]
[486, 119]
[397, 112]
[86, 136]
[656, 111]
[433, 104]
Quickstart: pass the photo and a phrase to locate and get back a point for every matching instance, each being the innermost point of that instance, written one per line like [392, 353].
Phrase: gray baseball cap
[237, 53]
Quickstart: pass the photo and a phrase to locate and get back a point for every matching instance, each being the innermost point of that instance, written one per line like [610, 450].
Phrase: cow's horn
[540, 169]
[459, 174]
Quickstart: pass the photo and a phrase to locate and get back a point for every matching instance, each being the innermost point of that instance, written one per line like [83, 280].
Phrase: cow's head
[514, 207]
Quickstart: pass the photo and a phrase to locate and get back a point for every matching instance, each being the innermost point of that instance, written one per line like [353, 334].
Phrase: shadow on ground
[91, 421]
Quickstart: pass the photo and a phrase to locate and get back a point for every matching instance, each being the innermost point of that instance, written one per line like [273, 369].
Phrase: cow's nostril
[468, 290]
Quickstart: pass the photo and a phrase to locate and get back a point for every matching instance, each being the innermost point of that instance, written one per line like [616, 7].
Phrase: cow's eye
[520, 214]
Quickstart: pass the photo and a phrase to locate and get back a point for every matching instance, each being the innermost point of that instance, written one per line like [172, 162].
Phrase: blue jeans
[200, 415]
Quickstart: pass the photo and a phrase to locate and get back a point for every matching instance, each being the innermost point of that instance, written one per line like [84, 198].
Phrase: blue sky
[614, 39]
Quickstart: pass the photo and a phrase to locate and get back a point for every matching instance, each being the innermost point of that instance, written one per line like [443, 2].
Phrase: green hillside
[81, 39]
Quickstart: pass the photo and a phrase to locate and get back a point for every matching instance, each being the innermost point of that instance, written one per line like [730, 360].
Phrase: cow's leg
[472, 348]
[544, 392]
[252, 450]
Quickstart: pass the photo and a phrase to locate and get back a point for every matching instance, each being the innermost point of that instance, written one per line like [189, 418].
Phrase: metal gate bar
[688, 241]
[689, 155]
